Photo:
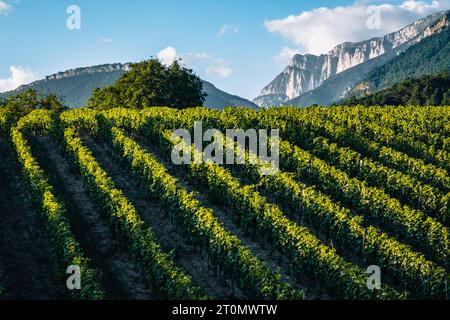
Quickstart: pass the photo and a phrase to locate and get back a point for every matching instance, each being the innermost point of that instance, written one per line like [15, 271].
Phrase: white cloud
[212, 65]
[199, 61]
[4, 7]
[286, 55]
[18, 77]
[420, 6]
[228, 28]
[319, 30]
[168, 55]
[221, 71]
[104, 40]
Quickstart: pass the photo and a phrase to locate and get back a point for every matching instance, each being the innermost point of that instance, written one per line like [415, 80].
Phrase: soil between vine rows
[28, 265]
[121, 278]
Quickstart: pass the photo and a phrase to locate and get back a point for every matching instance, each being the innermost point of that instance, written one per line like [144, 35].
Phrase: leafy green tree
[2, 102]
[51, 102]
[150, 83]
[446, 98]
[105, 98]
[416, 97]
[29, 100]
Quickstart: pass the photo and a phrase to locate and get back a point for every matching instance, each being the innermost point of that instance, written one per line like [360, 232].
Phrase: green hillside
[426, 90]
[430, 56]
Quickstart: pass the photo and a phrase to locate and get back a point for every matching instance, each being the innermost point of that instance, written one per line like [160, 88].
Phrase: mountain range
[75, 86]
[311, 79]
[349, 69]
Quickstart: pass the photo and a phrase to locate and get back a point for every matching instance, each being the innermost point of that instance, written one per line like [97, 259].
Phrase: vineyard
[357, 187]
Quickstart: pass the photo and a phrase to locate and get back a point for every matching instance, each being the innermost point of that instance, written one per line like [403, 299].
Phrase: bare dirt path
[122, 279]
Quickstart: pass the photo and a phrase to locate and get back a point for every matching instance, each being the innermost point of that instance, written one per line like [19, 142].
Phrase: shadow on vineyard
[358, 189]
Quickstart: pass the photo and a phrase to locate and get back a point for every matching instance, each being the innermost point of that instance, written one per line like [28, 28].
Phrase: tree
[446, 98]
[150, 83]
[430, 90]
[185, 88]
[24, 102]
[416, 97]
[51, 102]
[106, 98]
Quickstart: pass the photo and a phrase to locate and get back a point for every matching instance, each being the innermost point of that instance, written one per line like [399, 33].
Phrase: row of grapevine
[407, 189]
[404, 186]
[410, 225]
[302, 128]
[416, 273]
[407, 144]
[413, 226]
[57, 225]
[409, 268]
[224, 250]
[304, 250]
[425, 124]
[398, 185]
[169, 281]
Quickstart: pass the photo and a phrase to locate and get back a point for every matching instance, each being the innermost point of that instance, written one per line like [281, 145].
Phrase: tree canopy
[24, 102]
[426, 90]
[151, 83]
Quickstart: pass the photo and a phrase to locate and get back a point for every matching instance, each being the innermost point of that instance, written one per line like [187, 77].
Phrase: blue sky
[239, 45]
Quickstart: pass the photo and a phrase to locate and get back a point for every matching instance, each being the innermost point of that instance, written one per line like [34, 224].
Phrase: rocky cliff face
[307, 72]
[89, 70]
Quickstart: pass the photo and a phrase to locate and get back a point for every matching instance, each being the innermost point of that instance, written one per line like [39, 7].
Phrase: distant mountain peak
[306, 72]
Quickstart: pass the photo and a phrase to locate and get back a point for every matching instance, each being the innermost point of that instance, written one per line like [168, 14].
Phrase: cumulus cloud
[228, 28]
[200, 61]
[222, 71]
[286, 55]
[212, 65]
[168, 55]
[319, 30]
[422, 7]
[18, 77]
[4, 7]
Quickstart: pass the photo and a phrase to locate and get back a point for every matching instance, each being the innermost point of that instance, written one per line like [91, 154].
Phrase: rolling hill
[425, 90]
[75, 86]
